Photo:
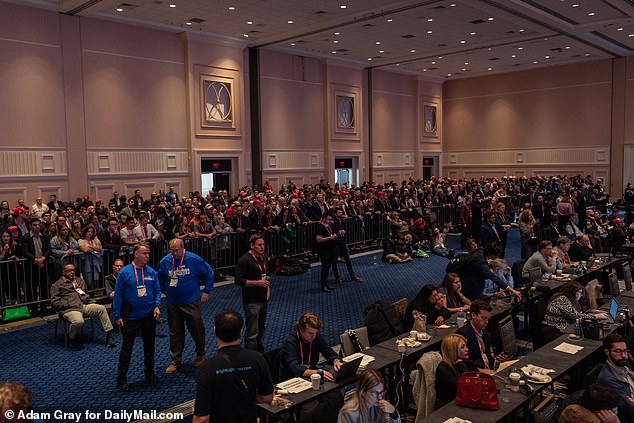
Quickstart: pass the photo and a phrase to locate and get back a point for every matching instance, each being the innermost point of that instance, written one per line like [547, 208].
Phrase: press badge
[174, 282]
[80, 291]
[141, 291]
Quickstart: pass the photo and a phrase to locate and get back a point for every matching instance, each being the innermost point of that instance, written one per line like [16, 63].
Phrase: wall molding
[529, 157]
[153, 162]
[393, 160]
[33, 162]
[296, 160]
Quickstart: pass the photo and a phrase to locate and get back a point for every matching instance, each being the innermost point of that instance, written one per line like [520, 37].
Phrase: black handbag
[592, 329]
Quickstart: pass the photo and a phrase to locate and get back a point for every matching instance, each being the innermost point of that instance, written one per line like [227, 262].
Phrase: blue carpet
[82, 380]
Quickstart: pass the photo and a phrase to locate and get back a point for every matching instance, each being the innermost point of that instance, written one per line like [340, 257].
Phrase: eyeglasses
[619, 351]
[376, 394]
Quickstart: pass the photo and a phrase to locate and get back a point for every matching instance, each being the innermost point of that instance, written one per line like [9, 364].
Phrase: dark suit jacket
[487, 234]
[314, 211]
[28, 248]
[474, 348]
[607, 377]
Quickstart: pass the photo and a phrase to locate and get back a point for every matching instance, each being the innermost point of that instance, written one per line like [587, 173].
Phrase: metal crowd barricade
[13, 282]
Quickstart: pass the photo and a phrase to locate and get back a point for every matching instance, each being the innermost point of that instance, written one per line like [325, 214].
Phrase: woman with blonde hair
[455, 361]
[368, 403]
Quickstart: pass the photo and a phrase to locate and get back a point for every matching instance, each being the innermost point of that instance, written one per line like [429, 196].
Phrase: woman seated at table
[429, 302]
[452, 288]
[455, 361]
[563, 310]
[368, 403]
[300, 353]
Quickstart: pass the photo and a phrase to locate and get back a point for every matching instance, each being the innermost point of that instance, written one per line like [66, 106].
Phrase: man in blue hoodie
[135, 307]
[180, 273]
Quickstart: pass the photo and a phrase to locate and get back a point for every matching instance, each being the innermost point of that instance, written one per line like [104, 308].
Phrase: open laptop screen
[614, 309]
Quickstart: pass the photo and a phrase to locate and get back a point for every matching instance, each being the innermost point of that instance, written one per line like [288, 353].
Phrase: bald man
[181, 274]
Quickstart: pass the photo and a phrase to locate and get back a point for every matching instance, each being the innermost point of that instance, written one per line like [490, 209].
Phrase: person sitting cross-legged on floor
[70, 299]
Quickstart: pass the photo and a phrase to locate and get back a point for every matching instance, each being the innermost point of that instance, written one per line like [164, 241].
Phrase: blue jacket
[607, 377]
[190, 274]
[126, 303]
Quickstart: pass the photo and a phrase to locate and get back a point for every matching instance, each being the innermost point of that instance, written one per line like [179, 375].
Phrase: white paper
[456, 420]
[295, 385]
[364, 361]
[568, 348]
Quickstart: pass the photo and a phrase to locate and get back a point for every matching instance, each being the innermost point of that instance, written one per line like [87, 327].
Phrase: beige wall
[546, 121]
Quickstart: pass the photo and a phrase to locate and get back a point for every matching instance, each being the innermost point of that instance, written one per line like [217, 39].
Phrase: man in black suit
[317, 210]
[490, 232]
[37, 248]
[479, 339]
[53, 205]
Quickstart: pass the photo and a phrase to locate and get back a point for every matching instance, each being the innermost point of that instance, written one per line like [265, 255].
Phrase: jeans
[177, 316]
[342, 251]
[254, 326]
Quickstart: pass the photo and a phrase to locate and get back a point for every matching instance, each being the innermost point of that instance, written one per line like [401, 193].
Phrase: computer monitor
[627, 276]
[614, 309]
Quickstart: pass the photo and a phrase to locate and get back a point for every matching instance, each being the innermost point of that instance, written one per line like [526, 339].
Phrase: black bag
[459, 262]
[592, 329]
[383, 322]
[287, 266]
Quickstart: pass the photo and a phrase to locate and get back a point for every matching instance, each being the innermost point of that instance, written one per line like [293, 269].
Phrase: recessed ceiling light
[232, 8]
[587, 54]
[172, 5]
[381, 51]
[591, 14]
[521, 30]
[462, 41]
[619, 29]
[249, 22]
[490, 19]
[430, 20]
[188, 23]
[398, 64]
[343, 6]
[575, 5]
[448, 74]
[452, 5]
[369, 58]
[546, 57]
[119, 9]
[439, 57]
[464, 69]
[429, 32]
[378, 43]
[292, 44]
[631, 35]
[390, 20]
[424, 70]
[535, 62]
[489, 69]
[412, 51]
[246, 35]
[337, 33]
[334, 52]
[567, 47]
[520, 48]
[513, 56]
[433, 63]
[472, 33]
[466, 63]
[289, 22]
[336, 41]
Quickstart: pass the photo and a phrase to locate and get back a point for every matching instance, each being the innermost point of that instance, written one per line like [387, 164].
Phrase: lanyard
[301, 351]
[180, 266]
[136, 276]
[328, 229]
[261, 264]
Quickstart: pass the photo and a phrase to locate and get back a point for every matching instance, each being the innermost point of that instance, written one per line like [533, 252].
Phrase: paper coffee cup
[559, 272]
[413, 334]
[514, 378]
[315, 379]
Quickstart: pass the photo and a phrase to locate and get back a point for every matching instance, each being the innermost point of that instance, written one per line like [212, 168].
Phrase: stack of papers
[295, 385]
[364, 361]
[456, 420]
[568, 348]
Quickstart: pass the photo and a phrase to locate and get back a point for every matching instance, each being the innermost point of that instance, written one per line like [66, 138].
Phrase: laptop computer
[610, 317]
[348, 371]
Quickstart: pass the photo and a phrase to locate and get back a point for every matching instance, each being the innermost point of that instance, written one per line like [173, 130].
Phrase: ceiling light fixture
[246, 35]
[591, 14]
[567, 47]
[292, 44]
[546, 57]
[433, 63]
[412, 51]
[520, 48]
[369, 58]
[430, 20]
[337, 33]
[452, 5]
[535, 62]
[378, 43]
[119, 9]
[249, 23]
[334, 52]
[336, 41]
[462, 41]
[232, 8]
[429, 32]
[466, 63]
[381, 51]
[631, 35]
[188, 23]
[521, 30]
[390, 20]
[289, 22]
[343, 6]
[619, 29]
[448, 75]
[575, 5]
[513, 56]
[489, 69]
[490, 19]
[587, 54]
[472, 33]
[172, 5]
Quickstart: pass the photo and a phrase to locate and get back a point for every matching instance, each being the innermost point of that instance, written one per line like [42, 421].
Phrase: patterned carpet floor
[82, 380]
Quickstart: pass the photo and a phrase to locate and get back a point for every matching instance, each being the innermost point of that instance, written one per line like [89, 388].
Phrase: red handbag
[477, 390]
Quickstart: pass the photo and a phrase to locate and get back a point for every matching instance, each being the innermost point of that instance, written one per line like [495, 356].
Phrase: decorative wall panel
[32, 162]
[290, 160]
[136, 162]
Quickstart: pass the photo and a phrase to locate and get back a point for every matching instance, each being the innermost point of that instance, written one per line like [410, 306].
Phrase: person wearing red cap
[617, 236]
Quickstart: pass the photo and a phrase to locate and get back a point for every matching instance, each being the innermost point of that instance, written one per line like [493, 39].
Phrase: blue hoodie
[126, 293]
[193, 270]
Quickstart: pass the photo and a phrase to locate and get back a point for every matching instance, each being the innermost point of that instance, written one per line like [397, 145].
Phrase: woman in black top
[429, 302]
[455, 356]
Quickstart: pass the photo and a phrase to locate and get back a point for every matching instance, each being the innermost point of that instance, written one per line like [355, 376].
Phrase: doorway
[430, 167]
[345, 171]
[215, 174]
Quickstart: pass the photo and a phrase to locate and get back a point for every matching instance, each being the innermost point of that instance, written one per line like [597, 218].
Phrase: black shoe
[123, 387]
[337, 281]
[356, 279]
[325, 289]
[110, 341]
[451, 254]
[74, 344]
[151, 379]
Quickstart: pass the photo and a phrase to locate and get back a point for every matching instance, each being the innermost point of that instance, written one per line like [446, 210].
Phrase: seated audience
[581, 250]
[501, 268]
[481, 350]
[70, 299]
[541, 259]
[111, 279]
[429, 302]
[368, 404]
[563, 310]
[451, 286]
[455, 361]
[561, 255]
[575, 413]
[475, 271]
[617, 374]
[603, 401]
[300, 352]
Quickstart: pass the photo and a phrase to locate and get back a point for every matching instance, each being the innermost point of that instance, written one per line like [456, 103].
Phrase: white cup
[461, 321]
[514, 378]
[559, 272]
[413, 334]
[583, 263]
[315, 379]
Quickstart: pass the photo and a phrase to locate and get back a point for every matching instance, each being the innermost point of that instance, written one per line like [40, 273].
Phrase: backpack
[287, 266]
[460, 262]
[383, 322]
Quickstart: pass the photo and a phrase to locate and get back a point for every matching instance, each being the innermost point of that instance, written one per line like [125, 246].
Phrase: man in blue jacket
[180, 274]
[135, 307]
[618, 375]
